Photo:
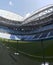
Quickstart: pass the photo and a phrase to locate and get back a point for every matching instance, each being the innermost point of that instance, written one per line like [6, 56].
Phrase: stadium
[33, 34]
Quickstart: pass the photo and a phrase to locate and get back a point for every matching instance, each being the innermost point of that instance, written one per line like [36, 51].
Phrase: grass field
[34, 49]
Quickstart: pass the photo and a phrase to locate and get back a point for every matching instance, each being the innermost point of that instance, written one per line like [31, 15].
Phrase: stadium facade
[37, 27]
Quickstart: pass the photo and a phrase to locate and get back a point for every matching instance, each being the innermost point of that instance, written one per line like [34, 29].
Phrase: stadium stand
[36, 26]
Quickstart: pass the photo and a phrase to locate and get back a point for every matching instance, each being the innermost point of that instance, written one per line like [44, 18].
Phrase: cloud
[10, 3]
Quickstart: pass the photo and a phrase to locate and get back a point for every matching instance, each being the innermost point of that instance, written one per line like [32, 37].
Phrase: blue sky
[23, 7]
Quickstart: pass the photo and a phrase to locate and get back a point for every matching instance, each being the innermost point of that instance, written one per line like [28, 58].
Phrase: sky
[22, 7]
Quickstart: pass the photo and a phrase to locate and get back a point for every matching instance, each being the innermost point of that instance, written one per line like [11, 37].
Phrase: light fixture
[46, 63]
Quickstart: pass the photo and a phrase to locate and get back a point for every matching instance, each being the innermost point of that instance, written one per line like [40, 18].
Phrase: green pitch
[34, 49]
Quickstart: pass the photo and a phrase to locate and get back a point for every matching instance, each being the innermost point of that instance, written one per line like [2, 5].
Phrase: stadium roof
[39, 13]
[15, 17]
[10, 15]
[40, 10]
